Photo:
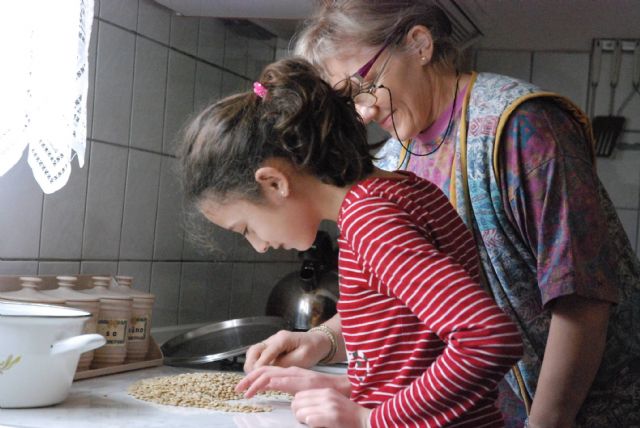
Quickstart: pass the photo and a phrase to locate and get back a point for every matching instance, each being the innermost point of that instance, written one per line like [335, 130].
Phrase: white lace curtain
[43, 86]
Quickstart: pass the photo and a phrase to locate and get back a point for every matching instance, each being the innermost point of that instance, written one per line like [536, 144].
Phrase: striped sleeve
[481, 341]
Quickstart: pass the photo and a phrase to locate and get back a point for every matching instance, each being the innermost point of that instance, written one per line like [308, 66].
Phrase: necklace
[446, 133]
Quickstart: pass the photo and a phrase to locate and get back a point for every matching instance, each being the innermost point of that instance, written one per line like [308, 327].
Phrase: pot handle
[82, 343]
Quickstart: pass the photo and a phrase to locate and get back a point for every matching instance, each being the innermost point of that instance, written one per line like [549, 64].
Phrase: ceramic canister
[76, 299]
[140, 326]
[30, 292]
[113, 323]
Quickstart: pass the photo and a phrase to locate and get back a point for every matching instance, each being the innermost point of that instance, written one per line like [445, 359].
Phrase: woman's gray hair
[340, 26]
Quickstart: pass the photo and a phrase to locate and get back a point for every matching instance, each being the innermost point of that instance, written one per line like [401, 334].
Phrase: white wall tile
[58, 268]
[140, 205]
[105, 200]
[165, 286]
[168, 231]
[204, 292]
[211, 40]
[236, 51]
[280, 255]
[184, 33]
[205, 241]
[140, 271]
[510, 63]
[243, 250]
[8, 267]
[630, 137]
[259, 55]
[154, 20]
[265, 277]
[208, 85]
[63, 216]
[621, 177]
[232, 84]
[20, 212]
[149, 83]
[99, 268]
[241, 290]
[564, 73]
[375, 133]
[121, 12]
[114, 81]
[179, 99]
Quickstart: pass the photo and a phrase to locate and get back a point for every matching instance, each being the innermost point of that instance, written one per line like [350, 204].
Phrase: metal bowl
[219, 341]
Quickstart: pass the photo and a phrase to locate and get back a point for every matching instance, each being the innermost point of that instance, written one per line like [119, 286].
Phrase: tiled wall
[121, 213]
[567, 73]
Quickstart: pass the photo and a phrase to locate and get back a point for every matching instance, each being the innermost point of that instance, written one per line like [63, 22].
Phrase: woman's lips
[387, 123]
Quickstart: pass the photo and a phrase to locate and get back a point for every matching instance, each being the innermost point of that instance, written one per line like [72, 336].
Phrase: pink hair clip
[259, 90]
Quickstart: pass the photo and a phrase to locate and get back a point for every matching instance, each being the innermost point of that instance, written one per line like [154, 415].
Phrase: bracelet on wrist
[332, 339]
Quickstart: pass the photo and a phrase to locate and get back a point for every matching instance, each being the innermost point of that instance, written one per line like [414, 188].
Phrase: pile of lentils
[209, 390]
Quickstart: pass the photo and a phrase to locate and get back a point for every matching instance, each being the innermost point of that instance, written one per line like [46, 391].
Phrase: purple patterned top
[547, 195]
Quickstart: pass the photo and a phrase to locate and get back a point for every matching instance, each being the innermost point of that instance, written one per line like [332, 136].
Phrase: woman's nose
[366, 113]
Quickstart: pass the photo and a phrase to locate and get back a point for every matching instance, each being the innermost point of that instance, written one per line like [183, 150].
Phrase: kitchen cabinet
[103, 402]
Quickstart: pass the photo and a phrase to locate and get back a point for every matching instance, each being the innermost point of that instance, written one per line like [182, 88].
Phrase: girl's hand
[328, 408]
[290, 380]
[287, 348]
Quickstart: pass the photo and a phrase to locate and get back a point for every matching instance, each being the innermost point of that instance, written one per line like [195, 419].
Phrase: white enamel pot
[39, 350]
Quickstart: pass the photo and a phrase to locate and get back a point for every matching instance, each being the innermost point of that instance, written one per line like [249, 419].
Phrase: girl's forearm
[573, 353]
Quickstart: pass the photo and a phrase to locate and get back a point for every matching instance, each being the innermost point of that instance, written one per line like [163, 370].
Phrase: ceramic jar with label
[140, 326]
[114, 316]
[78, 300]
[30, 292]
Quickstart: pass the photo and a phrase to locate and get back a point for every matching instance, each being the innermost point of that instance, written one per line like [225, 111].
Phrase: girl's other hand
[290, 380]
[286, 348]
[327, 407]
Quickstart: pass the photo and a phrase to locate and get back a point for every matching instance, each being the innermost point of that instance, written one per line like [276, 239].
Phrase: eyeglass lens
[365, 99]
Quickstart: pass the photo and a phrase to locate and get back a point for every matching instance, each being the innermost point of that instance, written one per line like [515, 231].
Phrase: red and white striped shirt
[426, 344]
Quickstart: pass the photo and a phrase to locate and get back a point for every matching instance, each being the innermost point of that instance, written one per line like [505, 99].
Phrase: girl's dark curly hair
[301, 119]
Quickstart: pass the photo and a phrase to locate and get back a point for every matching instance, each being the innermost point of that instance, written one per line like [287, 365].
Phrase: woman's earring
[424, 60]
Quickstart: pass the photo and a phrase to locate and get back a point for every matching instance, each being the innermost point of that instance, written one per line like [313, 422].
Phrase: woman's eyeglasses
[361, 91]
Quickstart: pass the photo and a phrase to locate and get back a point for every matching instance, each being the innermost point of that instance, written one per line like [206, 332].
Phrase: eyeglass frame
[358, 78]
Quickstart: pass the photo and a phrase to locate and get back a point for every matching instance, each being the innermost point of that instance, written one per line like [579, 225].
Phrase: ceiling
[504, 24]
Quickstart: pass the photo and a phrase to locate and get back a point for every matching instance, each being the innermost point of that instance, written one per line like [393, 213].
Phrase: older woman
[518, 165]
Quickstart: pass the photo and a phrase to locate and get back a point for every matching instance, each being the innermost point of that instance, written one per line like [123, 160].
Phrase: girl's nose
[258, 244]
[367, 113]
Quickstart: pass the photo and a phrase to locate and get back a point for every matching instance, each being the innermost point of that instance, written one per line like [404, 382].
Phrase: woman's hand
[286, 348]
[327, 407]
[290, 380]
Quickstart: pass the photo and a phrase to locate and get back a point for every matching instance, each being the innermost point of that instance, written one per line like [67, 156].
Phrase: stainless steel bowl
[220, 340]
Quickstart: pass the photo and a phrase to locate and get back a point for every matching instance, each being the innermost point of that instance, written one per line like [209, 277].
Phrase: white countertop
[103, 402]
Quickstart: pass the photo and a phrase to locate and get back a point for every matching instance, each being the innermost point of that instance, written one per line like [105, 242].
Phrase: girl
[426, 345]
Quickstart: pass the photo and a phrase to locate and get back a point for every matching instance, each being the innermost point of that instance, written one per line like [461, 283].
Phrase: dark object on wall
[308, 297]
[219, 341]
[607, 129]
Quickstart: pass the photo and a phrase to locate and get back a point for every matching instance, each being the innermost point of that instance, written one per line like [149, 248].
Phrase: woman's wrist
[331, 336]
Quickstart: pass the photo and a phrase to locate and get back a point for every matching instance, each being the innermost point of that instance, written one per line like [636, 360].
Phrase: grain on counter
[211, 390]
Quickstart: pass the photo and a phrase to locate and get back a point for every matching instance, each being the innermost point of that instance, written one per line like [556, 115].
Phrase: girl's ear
[274, 183]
